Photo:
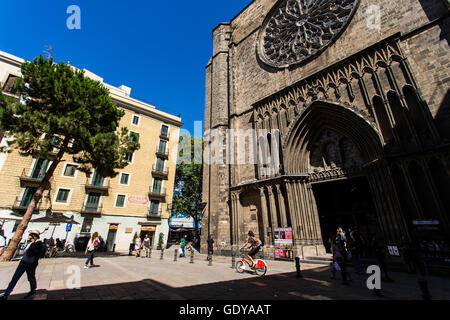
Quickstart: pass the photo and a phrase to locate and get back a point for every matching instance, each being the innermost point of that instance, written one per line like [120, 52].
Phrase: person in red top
[255, 244]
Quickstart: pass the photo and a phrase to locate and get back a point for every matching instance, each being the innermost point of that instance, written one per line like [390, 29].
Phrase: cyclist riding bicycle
[255, 247]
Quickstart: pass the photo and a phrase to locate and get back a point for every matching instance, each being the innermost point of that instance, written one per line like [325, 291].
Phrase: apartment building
[137, 200]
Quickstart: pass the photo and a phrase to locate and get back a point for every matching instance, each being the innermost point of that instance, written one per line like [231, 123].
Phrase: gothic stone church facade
[359, 91]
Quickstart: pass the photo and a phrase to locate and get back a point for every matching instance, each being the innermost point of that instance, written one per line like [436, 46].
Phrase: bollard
[210, 261]
[192, 256]
[150, 252]
[175, 254]
[162, 254]
[423, 285]
[297, 266]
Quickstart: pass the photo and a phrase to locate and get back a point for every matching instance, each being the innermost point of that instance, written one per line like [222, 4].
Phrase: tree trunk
[12, 247]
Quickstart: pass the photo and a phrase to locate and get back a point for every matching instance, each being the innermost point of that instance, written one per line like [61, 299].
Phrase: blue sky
[158, 48]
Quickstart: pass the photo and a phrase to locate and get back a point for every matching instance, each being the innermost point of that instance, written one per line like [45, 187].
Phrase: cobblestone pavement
[127, 277]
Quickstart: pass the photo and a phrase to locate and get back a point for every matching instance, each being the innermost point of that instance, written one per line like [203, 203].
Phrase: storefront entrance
[110, 240]
[150, 231]
[345, 203]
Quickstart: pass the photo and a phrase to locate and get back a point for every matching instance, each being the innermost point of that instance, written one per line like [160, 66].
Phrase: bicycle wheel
[240, 267]
[261, 271]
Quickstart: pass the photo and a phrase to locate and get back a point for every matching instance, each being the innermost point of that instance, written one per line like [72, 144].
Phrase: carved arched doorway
[336, 151]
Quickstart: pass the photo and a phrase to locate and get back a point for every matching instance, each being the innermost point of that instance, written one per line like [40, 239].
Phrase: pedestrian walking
[379, 252]
[2, 242]
[183, 245]
[339, 252]
[33, 252]
[137, 246]
[355, 244]
[92, 246]
[407, 253]
[210, 242]
[146, 245]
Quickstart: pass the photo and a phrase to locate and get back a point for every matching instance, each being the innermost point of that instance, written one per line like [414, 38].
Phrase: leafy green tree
[189, 174]
[62, 112]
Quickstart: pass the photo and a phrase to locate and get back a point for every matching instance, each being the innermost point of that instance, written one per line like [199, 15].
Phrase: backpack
[258, 242]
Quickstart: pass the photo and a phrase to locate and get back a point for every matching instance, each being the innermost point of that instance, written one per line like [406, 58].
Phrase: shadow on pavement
[315, 285]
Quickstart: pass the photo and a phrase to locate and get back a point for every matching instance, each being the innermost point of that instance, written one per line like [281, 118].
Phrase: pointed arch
[320, 116]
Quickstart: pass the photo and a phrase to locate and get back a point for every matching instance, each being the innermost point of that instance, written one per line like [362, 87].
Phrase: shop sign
[128, 230]
[138, 200]
[393, 251]
[113, 226]
[148, 228]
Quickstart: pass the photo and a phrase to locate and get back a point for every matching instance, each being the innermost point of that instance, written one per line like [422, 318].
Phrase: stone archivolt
[329, 83]
[296, 30]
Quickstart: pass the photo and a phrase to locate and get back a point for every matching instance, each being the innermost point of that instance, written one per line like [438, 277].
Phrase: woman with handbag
[92, 245]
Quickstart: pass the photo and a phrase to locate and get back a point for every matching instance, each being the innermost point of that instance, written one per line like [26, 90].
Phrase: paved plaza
[127, 277]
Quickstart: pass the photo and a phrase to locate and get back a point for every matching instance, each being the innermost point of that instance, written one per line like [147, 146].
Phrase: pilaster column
[281, 205]
[273, 208]
[264, 214]
[292, 212]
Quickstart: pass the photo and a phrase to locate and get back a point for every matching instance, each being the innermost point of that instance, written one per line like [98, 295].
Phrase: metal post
[192, 256]
[175, 253]
[150, 252]
[297, 266]
[210, 260]
[162, 254]
[423, 285]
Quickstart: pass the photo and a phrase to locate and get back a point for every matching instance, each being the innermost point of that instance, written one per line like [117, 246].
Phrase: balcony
[157, 195]
[164, 137]
[91, 209]
[161, 173]
[102, 188]
[154, 214]
[21, 205]
[162, 154]
[33, 180]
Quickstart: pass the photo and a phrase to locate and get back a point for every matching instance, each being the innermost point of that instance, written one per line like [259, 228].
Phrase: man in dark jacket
[28, 264]
[379, 252]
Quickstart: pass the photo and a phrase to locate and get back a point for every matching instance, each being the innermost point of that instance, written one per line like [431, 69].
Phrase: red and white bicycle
[260, 266]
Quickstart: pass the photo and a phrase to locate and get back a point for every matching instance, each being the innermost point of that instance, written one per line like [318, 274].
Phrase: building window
[69, 171]
[16, 225]
[40, 168]
[9, 85]
[124, 178]
[134, 137]
[63, 195]
[87, 225]
[27, 196]
[162, 146]
[97, 180]
[93, 201]
[164, 131]
[120, 200]
[154, 207]
[159, 165]
[157, 184]
[135, 120]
